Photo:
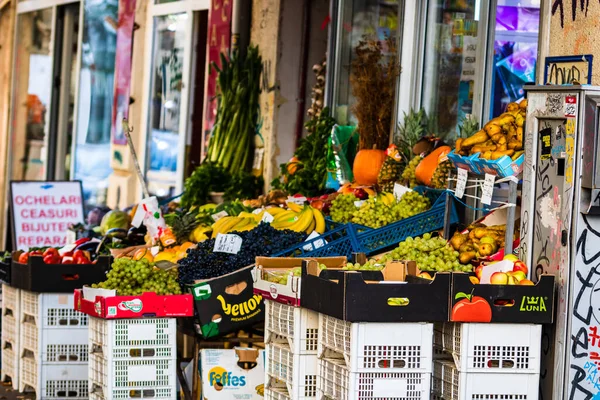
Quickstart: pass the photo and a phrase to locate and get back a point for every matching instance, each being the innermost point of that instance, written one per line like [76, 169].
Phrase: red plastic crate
[145, 305]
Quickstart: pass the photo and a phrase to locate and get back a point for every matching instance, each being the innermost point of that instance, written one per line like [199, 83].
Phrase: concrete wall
[574, 29]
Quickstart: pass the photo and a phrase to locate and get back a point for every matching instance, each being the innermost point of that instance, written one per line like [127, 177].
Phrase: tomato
[67, 260]
[36, 253]
[51, 252]
[50, 259]
[23, 258]
[471, 309]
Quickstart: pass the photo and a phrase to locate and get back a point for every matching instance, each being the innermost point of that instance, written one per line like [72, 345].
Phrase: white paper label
[316, 244]
[227, 243]
[71, 237]
[359, 203]
[258, 157]
[488, 189]
[400, 190]
[461, 182]
[154, 250]
[268, 218]
[297, 200]
[258, 210]
[219, 215]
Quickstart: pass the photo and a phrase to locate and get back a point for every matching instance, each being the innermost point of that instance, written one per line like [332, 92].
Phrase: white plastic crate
[140, 337]
[11, 327]
[141, 377]
[377, 347]
[132, 358]
[337, 382]
[277, 394]
[10, 299]
[450, 384]
[298, 327]
[53, 380]
[53, 310]
[493, 348]
[292, 373]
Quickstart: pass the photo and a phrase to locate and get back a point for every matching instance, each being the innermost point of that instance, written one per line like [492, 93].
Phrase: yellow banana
[294, 207]
[285, 216]
[319, 220]
[226, 226]
[246, 214]
[258, 217]
[217, 225]
[303, 221]
[242, 224]
[275, 210]
[285, 221]
[311, 227]
[248, 227]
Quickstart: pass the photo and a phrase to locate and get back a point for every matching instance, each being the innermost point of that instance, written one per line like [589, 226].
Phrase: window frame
[189, 7]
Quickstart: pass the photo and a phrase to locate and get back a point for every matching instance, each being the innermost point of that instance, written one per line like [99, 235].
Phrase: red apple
[520, 266]
[499, 278]
[478, 271]
[471, 309]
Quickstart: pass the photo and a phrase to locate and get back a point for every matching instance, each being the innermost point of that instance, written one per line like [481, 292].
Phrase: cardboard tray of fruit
[279, 278]
[104, 303]
[502, 167]
[394, 294]
[532, 304]
[35, 275]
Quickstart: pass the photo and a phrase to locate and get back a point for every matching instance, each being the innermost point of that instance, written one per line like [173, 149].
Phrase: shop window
[515, 51]
[450, 69]
[165, 103]
[96, 78]
[378, 19]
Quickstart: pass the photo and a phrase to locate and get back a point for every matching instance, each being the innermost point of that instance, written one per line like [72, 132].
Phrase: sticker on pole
[570, 106]
[227, 243]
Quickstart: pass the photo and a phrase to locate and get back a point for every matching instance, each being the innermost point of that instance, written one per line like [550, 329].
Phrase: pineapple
[408, 134]
[440, 175]
[182, 224]
[469, 127]
[390, 170]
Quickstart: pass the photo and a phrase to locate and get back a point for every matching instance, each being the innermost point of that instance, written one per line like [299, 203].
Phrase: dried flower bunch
[373, 79]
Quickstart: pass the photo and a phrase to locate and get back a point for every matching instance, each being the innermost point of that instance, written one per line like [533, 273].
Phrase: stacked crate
[374, 360]
[488, 361]
[132, 358]
[291, 335]
[11, 324]
[53, 346]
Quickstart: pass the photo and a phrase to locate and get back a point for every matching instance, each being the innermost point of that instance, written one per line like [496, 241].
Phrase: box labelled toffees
[394, 294]
[502, 303]
[274, 280]
[37, 276]
[227, 303]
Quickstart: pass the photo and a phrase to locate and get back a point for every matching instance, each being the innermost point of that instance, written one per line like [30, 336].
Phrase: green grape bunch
[408, 175]
[375, 214]
[370, 265]
[133, 278]
[430, 254]
[342, 208]
[281, 277]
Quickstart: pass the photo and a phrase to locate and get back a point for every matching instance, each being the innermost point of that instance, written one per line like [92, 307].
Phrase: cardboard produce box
[232, 374]
[288, 293]
[227, 303]
[502, 303]
[394, 294]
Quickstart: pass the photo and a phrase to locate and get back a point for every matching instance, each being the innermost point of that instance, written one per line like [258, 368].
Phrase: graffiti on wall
[576, 6]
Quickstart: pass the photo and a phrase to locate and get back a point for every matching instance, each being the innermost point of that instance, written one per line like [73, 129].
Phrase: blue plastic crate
[340, 241]
[377, 240]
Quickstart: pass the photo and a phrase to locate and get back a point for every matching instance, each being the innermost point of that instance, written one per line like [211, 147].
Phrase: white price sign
[227, 243]
[461, 182]
[297, 200]
[359, 203]
[400, 190]
[488, 189]
[219, 215]
[268, 218]
[316, 244]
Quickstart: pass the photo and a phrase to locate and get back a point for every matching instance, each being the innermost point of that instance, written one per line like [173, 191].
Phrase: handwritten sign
[488, 189]
[43, 211]
[400, 190]
[219, 215]
[461, 182]
[568, 70]
[227, 243]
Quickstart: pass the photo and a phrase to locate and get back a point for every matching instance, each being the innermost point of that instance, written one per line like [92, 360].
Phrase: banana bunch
[298, 218]
[240, 223]
[502, 136]
[260, 389]
[386, 198]
[200, 233]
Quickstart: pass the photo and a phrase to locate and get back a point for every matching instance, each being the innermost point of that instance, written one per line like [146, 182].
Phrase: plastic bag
[341, 151]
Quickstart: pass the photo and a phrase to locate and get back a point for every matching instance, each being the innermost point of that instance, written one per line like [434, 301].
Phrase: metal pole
[127, 131]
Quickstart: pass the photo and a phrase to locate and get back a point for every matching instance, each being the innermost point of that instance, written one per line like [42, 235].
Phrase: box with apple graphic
[502, 303]
[394, 294]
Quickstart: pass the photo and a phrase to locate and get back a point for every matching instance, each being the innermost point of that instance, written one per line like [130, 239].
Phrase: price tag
[316, 244]
[488, 189]
[298, 200]
[227, 243]
[258, 158]
[359, 203]
[258, 210]
[400, 190]
[268, 218]
[219, 215]
[461, 183]
[71, 237]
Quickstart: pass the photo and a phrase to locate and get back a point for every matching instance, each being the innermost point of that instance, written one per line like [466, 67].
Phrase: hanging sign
[43, 211]
[120, 108]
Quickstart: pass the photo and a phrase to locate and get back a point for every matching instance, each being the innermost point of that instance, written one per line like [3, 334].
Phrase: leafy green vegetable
[206, 178]
[244, 186]
[310, 176]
